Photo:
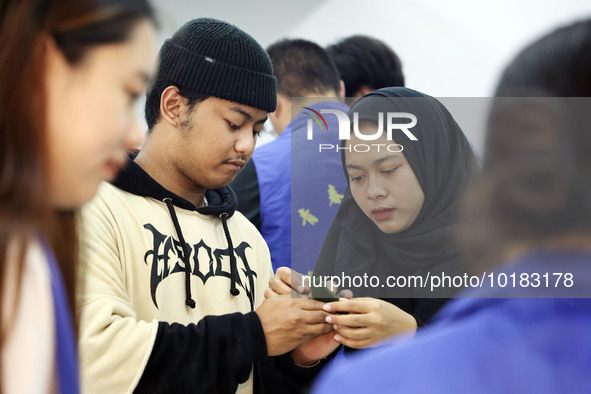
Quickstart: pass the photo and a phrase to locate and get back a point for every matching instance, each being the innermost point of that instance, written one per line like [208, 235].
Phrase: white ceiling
[448, 48]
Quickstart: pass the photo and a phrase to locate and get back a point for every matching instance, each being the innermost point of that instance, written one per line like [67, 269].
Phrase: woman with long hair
[72, 70]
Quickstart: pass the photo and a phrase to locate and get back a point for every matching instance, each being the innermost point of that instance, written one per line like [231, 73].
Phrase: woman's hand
[368, 321]
[286, 281]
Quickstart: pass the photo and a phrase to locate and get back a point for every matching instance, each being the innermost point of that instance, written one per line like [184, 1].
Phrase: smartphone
[322, 293]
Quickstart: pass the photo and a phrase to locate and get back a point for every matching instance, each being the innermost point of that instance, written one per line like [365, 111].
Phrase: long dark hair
[77, 26]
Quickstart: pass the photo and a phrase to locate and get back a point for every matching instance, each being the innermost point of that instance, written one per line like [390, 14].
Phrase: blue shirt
[300, 187]
[489, 345]
[66, 349]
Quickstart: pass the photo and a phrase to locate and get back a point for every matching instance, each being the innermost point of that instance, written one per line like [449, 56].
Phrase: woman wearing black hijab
[397, 217]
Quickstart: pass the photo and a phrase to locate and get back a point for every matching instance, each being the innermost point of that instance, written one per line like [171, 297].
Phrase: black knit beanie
[216, 58]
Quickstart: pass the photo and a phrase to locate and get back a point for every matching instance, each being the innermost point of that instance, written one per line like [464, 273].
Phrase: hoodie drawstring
[189, 301]
[233, 290]
[186, 253]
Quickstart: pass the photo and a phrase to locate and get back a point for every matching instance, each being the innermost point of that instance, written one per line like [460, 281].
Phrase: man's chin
[220, 184]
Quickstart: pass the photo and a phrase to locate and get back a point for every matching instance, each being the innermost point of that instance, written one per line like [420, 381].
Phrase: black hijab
[442, 160]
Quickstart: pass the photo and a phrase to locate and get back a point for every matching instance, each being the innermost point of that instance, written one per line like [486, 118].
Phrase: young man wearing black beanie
[172, 279]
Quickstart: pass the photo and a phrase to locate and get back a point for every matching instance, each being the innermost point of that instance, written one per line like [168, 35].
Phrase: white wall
[449, 48]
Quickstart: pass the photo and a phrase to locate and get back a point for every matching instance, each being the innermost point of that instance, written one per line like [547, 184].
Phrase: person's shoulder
[109, 201]
[271, 163]
[275, 148]
[245, 229]
[27, 299]
[106, 192]
[240, 221]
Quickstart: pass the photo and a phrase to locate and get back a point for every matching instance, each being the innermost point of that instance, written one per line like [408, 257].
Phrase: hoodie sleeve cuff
[259, 343]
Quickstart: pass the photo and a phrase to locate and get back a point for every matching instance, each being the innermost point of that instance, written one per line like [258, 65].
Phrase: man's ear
[171, 105]
[278, 110]
[363, 90]
[276, 117]
[342, 91]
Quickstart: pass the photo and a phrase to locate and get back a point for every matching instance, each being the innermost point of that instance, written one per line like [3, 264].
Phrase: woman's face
[91, 117]
[383, 184]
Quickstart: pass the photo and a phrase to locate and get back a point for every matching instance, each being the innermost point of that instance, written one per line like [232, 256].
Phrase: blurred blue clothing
[487, 343]
[67, 379]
